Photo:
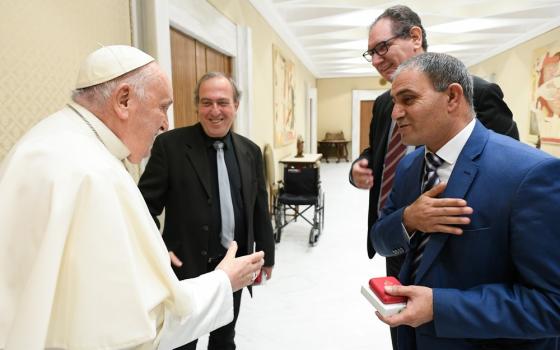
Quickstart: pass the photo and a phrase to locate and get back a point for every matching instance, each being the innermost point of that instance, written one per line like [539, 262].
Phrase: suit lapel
[412, 187]
[196, 154]
[411, 191]
[245, 161]
[459, 183]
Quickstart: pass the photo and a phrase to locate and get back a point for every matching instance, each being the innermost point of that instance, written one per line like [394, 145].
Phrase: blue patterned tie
[432, 163]
[226, 203]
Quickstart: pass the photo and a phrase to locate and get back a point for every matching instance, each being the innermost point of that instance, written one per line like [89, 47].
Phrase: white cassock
[82, 264]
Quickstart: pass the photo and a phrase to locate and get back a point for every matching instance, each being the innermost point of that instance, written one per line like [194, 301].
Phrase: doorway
[361, 118]
[366, 106]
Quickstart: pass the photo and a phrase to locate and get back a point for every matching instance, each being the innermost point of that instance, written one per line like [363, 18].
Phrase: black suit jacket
[177, 178]
[490, 109]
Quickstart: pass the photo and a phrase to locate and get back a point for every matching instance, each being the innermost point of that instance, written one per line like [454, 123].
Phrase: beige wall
[513, 72]
[335, 103]
[43, 42]
[263, 37]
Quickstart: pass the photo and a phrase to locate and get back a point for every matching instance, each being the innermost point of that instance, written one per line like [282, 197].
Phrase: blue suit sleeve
[387, 235]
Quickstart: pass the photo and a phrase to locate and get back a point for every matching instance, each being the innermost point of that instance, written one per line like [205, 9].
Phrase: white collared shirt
[451, 150]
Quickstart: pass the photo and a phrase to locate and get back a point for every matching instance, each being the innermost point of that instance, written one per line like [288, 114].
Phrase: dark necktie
[226, 204]
[432, 163]
[395, 151]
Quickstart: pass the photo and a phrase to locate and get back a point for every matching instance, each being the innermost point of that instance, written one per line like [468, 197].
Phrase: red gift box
[378, 285]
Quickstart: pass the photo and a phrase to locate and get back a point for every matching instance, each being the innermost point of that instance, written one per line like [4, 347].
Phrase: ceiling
[329, 36]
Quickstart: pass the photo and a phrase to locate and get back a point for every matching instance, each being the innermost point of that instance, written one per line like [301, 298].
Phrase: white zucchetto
[110, 62]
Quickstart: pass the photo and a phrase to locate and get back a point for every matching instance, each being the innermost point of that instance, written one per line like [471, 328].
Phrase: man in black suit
[182, 177]
[395, 36]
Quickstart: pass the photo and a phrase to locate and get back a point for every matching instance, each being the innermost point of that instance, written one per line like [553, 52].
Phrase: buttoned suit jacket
[177, 178]
[490, 109]
[497, 284]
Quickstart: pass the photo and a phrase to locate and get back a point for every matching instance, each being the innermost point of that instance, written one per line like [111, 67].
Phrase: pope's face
[216, 107]
[149, 115]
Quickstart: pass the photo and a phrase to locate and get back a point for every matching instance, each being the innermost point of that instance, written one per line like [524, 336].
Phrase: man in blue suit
[478, 216]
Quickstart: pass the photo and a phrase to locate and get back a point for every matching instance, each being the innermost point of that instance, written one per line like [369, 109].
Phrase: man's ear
[120, 100]
[416, 35]
[455, 96]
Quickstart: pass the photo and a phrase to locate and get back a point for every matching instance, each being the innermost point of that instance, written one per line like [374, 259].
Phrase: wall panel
[43, 43]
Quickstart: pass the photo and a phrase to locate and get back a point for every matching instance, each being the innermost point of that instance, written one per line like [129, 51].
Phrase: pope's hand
[175, 261]
[243, 270]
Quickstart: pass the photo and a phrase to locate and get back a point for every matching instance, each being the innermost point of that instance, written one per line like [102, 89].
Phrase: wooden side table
[309, 160]
[339, 145]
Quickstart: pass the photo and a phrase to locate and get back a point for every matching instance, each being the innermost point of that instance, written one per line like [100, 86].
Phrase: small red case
[378, 286]
[261, 278]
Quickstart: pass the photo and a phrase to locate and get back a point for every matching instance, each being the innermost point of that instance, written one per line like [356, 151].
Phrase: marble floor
[313, 300]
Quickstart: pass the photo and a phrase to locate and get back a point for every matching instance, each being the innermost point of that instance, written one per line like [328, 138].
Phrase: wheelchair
[301, 187]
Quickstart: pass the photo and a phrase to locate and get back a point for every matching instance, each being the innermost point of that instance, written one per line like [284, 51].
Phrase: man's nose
[397, 112]
[376, 60]
[215, 108]
[164, 125]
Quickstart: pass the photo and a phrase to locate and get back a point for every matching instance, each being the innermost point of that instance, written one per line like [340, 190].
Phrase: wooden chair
[270, 173]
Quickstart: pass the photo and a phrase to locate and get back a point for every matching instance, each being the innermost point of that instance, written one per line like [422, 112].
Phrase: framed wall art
[283, 99]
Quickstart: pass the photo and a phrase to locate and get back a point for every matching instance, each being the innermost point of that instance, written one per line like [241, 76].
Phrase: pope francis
[82, 264]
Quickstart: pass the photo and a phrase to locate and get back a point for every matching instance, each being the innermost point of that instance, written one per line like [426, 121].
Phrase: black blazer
[490, 109]
[177, 178]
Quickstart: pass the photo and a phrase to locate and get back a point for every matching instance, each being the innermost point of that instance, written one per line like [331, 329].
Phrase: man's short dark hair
[442, 70]
[403, 19]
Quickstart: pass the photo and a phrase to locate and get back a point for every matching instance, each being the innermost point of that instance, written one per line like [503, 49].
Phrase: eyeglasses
[380, 49]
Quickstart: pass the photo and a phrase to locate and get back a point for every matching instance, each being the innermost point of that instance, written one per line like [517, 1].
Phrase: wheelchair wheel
[278, 223]
[322, 211]
[313, 236]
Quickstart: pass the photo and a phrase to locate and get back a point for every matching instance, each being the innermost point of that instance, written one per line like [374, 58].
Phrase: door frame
[311, 119]
[200, 20]
[357, 97]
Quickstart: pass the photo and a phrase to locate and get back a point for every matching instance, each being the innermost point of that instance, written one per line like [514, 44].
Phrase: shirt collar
[451, 150]
[228, 144]
[106, 136]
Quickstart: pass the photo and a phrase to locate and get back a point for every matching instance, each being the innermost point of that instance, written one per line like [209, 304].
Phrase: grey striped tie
[226, 204]
[430, 180]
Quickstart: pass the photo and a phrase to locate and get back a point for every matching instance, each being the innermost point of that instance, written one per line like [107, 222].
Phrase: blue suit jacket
[498, 284]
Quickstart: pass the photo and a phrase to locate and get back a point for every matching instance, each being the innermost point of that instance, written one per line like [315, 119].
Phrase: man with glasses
[395, 36]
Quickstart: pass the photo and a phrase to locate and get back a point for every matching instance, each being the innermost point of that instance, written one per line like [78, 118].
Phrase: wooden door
[190, 60]
[365, 120]
[184, 78]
